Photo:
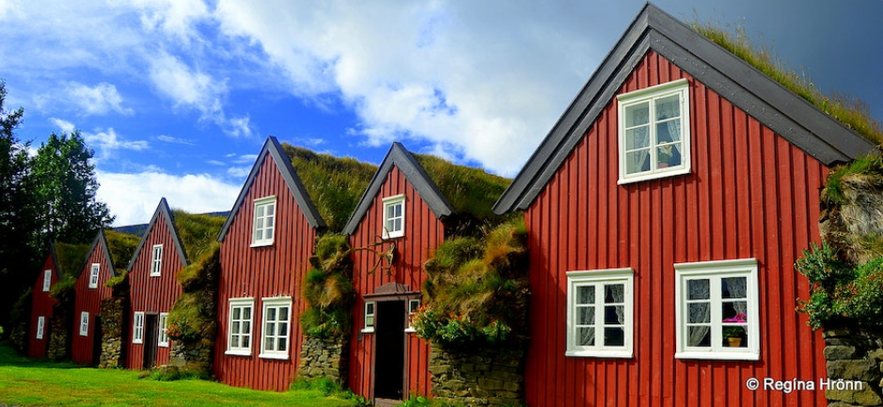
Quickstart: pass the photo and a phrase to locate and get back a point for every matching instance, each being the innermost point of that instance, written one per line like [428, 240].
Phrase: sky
[176, 97]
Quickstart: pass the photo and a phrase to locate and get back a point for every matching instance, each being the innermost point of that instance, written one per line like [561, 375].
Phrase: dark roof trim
[100, 240]
[776, 107]
[283, 163]
[55, 264]
[161, 208]
[399, 157]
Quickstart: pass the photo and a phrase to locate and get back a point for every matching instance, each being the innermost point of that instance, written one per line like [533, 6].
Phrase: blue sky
[177, 96]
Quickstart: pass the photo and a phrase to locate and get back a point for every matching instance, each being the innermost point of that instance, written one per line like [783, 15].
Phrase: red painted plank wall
[89, 299]
[423, 233]
[259, 272]
[41, 305]
[750, 194]
[153, 295]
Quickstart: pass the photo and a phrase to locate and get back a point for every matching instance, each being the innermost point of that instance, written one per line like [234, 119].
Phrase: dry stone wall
[324, 358]
[113, 318]
[483, 377]
[855, 369]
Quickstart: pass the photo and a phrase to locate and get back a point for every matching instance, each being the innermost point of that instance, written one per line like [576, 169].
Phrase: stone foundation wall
[59, 334]
[491, 377]
[857, 359]
[113, 313]
[324, 358]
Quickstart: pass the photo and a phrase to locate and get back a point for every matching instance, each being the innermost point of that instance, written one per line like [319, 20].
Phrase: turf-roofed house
[412, 205]
[105, 265]
[173, 240]
[290, 197]
[61, 260]
[666, 209]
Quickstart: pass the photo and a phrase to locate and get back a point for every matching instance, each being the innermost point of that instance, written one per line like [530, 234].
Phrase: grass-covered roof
[334, 184]
[469, 190]
[69, 257]
[852, 112]
[197, 232]
[121, 246]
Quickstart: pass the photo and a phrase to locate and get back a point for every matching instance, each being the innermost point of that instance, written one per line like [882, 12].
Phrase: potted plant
[734, 333]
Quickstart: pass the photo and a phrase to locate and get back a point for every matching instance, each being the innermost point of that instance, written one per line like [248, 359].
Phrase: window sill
[613, 354]
[162, 345]
[156, 275]
[410, 330]
[367, 331]
[238, 352]
[262, 244]
[718, 355]
[137, 342]
[668, 172]
[278, 356]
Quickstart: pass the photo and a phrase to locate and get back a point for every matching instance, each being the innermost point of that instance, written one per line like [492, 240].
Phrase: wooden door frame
[385, 293]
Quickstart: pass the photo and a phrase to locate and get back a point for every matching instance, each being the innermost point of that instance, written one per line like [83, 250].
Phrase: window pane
[268, 343]
[586, 337]
[613, 293]
[236, 312]
[234, 327]
[614, 337]
[636, 115]
[369, 321]
[271, 210]
[585, 295]
[668, 107]
[397, 224]
[668, 155]
[282, 328]
[734, 311]
[613, 315]
[699, 336]
[246, 313]
[698, 289]
[637, 138]
[585, 316]
[280, 345]
[637, 161]
[246, 326]
[268, 233]
[283, 313]
[245, 341]
[734, 287]
[271, 314]
[699, 313]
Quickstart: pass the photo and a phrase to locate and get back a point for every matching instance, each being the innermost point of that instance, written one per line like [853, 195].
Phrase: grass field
[29, 382]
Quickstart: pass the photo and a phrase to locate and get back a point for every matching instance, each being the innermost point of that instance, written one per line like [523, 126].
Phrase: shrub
[328, 289]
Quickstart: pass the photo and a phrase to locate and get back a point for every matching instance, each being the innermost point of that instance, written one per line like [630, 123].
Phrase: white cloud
[186, 87]
[107, 141]
[132, 198]
[98, 100]
[174, 17]
[63, 125]
[238, 172]
[175, 140]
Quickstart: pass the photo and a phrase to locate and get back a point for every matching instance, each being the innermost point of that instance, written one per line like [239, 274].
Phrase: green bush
[328, 289]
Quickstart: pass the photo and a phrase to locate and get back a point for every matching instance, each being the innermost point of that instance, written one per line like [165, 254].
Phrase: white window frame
[241, 303]
[649, 95]
[387, 203]
[598, 279]
[715, 271]
[94, 273]
[413, 305]
[156, 261]
[370, 317]
[84, 323]
[259, 222]
[270, 328]
[41, 326]
[162, 340]
[47, 280]
[138, 327]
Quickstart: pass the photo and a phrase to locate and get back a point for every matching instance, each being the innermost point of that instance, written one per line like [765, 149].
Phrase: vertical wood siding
[89, 300]
[41, 306]
[153, 295]
[423, 233]
[749, 194]
[259, 272]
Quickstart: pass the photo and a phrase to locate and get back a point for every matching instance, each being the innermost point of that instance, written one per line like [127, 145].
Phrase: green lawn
[29, 382]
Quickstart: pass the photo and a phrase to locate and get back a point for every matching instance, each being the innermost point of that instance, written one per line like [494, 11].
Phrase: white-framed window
[413, 306]
[47, 279]
[138, 328]
[717, 300]
[163, 337]
[41, 326]
[393, 216]
[276, 332]
[239, 335]
[264, 221]
[93, 275]
[156, 261]
[370, 313]
[600, 313]
[84, 323]
[654, 132]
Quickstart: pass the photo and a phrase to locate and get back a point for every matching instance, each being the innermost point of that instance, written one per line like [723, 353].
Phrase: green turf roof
[197, 232]
[69, 257]
[121, 246]
[334, 184]
[469, 190]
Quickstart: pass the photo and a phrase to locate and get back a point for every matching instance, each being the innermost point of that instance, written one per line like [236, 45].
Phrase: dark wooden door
[97, 339]
[389, 361]
[150, 338]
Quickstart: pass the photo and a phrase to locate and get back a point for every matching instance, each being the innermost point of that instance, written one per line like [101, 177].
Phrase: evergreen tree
[66, 188]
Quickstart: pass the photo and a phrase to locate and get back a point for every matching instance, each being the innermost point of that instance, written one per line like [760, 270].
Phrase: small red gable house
[665, 210]
[41, 306]
[153, 272]
[265, 243]
[405, 214]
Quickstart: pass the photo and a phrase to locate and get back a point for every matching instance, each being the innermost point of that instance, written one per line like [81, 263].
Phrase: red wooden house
[265, 247]
[404, 211]
[153, 271]
[90, 289]
[666, 209]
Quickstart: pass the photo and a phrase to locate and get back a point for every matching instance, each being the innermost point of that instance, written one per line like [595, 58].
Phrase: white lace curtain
[699, 312]
[669, 109]
[736, 286]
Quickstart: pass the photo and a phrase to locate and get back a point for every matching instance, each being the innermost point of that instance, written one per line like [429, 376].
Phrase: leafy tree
[17, 221]
[66, 188]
